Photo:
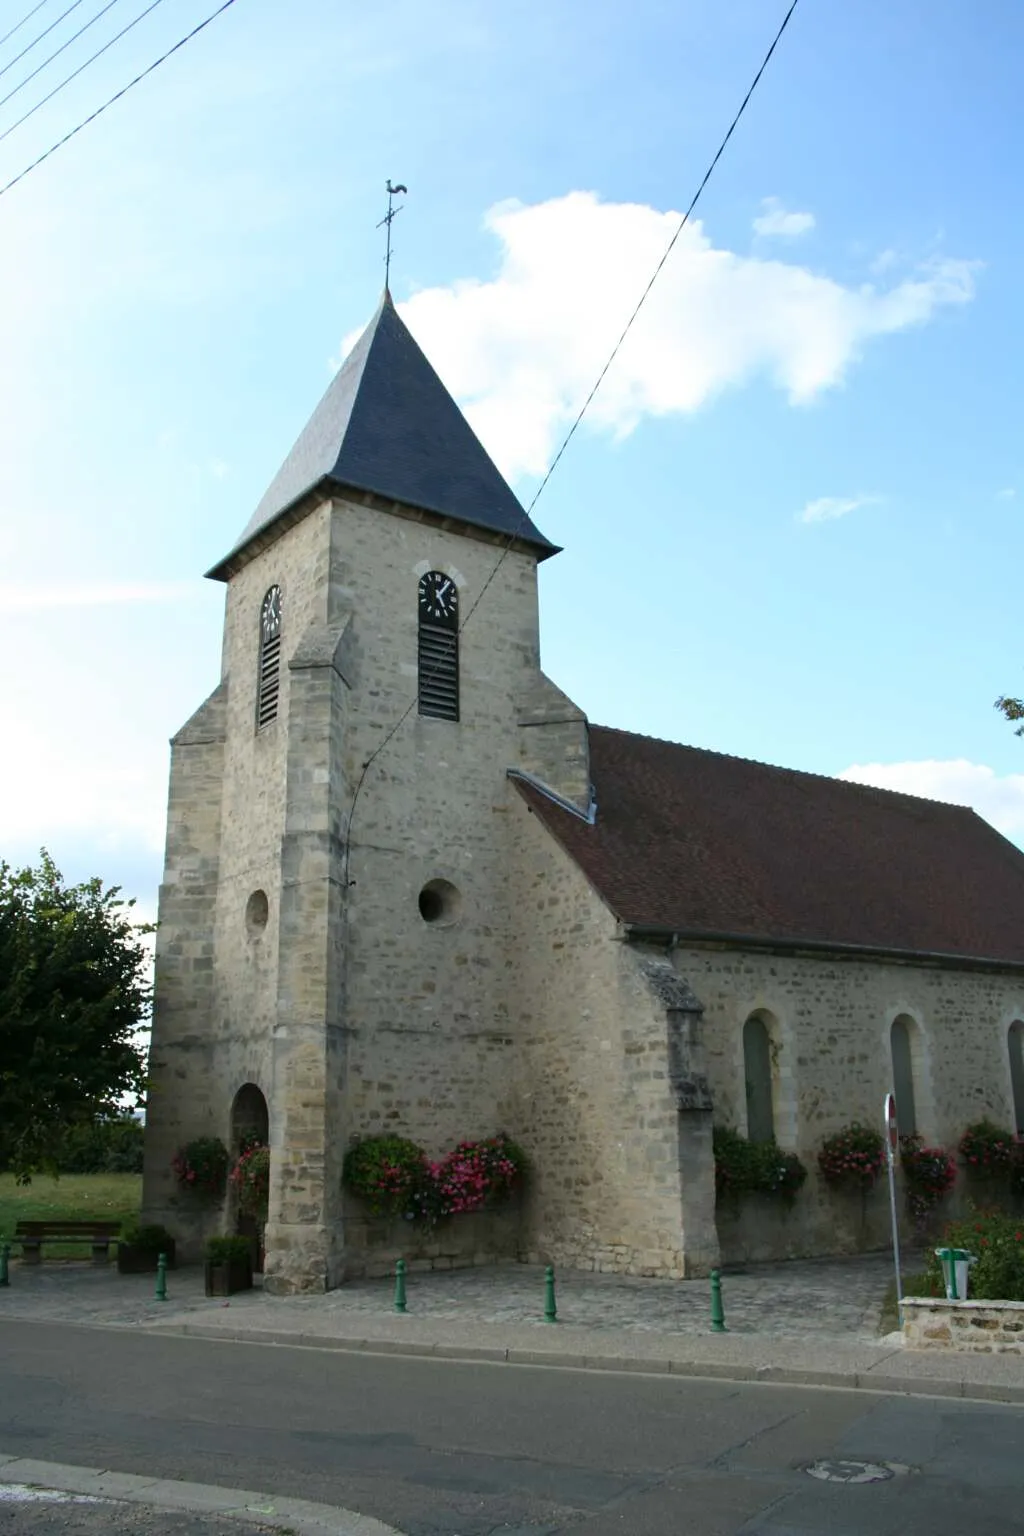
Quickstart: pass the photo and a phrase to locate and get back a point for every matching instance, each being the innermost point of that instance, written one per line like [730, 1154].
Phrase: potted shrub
[228, 1265]
[139, 1247]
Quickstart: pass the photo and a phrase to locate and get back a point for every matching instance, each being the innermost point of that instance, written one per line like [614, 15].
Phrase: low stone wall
[818, 1223]
[987, 1327]
[826, 1223]
[480, 1237]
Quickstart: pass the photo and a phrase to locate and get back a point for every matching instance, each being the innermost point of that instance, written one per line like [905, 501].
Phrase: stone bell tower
[333, 916]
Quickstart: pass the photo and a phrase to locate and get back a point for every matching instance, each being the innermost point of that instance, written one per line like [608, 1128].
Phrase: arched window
[268, 683]
[1015, 1041]
[438, 651]
[757, 1071]
[903, 1076]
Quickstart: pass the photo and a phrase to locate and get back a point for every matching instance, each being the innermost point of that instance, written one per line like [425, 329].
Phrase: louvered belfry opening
[438, 650]
[268, 685]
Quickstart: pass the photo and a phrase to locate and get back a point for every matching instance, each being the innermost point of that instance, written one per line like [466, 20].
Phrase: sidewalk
[812, 1323]
[97, 1502]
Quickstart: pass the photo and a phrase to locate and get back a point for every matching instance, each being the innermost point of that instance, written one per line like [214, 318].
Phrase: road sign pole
[891, 1143]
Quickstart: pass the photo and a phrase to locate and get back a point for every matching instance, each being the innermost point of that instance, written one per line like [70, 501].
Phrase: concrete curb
[885, 1381]
[295, 1515]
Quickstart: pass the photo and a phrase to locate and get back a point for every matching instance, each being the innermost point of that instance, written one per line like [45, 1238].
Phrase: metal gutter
[675, 937]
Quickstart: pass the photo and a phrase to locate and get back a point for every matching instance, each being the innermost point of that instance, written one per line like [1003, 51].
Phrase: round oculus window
[439, 902]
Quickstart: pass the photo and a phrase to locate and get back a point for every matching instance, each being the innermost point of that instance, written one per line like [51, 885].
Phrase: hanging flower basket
[201, 1167]
[929, 1173]
[853, 1158]
[987, 1148]
[394, 1178]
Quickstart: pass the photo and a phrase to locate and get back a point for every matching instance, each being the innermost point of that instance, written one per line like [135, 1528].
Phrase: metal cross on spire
[391, 214]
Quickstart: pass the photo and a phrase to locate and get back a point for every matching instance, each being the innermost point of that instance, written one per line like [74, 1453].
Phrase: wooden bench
[33, 1234]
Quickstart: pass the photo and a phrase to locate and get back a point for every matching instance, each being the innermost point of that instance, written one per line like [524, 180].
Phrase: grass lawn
[74, 1196]
[913, 1285]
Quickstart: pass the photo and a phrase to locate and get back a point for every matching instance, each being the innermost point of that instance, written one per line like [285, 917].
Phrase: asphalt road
[447, 1449]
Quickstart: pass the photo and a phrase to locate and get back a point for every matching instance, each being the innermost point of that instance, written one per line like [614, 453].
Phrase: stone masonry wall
[829, 1021]
[379, 1020]
[182, 1097]
[233, 804]
[594, 1108]
[984, 1327]
[553, 743]
[429, 1052]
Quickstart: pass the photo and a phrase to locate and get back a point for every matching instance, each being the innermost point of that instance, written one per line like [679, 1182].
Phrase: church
[410, 888]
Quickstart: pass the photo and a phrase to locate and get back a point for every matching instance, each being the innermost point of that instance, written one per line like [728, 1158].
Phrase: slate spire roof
[388, 425]
[701, 844]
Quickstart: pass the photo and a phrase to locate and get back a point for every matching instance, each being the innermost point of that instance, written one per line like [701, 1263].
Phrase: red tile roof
[700, 843]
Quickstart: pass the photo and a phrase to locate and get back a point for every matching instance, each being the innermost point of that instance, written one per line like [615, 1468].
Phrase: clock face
[439, 599]
[271, 615]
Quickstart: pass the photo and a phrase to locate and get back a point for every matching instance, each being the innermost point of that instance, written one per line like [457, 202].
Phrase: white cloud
[522, 350]
[34, 599]
[999, 798]
[827, 508]
[885, 261]
[1007, 493]
[776, 221]
[112, 787]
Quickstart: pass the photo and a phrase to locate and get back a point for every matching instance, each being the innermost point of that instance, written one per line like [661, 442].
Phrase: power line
[21, 23]
[57, 52]
[117, 96]
[510, 540]
[46, 31]
[76, 72]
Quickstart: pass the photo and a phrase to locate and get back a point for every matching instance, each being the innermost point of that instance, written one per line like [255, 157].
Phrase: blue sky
[790, 524]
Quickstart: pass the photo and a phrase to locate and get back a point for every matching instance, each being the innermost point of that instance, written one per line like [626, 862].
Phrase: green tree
[1013, 709]
[74, 990]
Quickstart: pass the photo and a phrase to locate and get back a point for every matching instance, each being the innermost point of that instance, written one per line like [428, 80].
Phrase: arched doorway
[250, 1119]
[250, 1127]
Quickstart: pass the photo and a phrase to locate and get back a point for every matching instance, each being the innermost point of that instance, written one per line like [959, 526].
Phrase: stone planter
[490, 1236]
[984, 1327]
[142, 1261]
[226, 1279]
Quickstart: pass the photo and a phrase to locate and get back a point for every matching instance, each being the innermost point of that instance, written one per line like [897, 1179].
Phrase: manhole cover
[851, 1471]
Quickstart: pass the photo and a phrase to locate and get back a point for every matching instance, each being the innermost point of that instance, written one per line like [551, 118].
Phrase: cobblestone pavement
[813, 1299]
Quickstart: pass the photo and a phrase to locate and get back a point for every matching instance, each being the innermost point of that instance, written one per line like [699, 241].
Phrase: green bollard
[717, 1310]
[5, 1256]
[161, 1277]
[400, 1286]
[550, 1310]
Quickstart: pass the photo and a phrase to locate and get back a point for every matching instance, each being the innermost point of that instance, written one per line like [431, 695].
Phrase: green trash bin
[955, 1263]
